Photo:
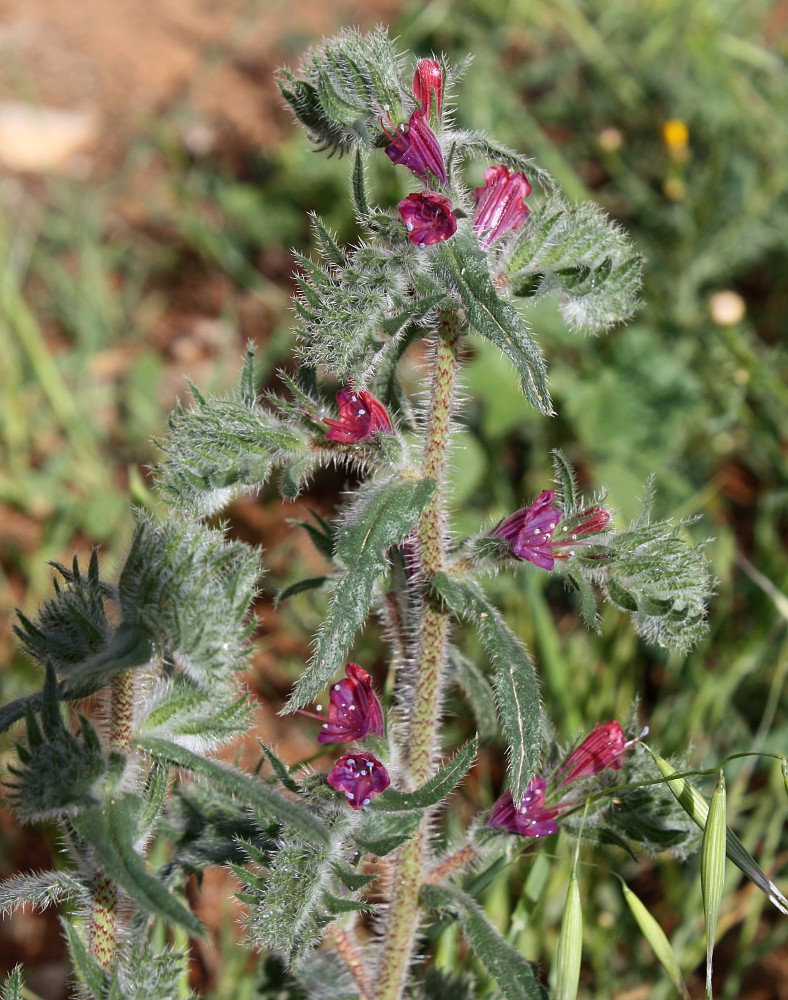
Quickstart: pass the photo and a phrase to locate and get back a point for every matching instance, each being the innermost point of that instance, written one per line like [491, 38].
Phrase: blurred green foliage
[673, 114]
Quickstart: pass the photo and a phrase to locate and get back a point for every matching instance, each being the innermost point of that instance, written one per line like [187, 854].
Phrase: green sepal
[381, 833]
[515, 976]
[281, 770]
[462, 264]
[269, 802]
[301, 587]
[516, 684]
[86, 967]
[112, 829]
[381, 515]
[433, 791]
[350, 878]
[335, 905]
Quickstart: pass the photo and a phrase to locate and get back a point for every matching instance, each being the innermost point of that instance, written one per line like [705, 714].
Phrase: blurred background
[151, 187]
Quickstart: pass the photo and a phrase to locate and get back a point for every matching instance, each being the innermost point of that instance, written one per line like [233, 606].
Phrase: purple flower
[531, 531]
[353, 709]
[500, 204]
[428, 218]
[360, 776]
[416, 147]
[531, 819]
[428, 83]
[361, 416]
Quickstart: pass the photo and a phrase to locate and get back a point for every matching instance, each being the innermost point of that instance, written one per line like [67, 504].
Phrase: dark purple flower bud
[360, 776]
[531, 819]
[428, 83]
[534, 536]
[529, 531]
[428, 218]
[361, 416]
[602, 748]
[353, 710]
[416, 147]
[500, 204]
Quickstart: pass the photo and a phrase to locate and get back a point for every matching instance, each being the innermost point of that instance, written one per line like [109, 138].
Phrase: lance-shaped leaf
[129, 647]
[434, 790]
[516, 685]
[41, 889]
[478, 693]
[462, 265]
[112, 829]
[381, 515]
[87, 968]
[712, 871]
[697, 808]
[656, 937]
[252, 790]
[514, 975]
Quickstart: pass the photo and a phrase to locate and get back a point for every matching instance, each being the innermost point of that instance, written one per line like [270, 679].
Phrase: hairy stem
[103, 934]
[422, 738]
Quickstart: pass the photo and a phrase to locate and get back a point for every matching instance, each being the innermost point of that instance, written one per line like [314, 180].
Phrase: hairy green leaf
[112, 830]
[462, 264]
[434, 790]
[86, 967]
[382, 514]
[514, 975]
[252, 790]
[516, 685]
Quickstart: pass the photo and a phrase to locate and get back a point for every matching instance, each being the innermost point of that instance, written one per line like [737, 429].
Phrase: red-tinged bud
[428, 218]
[428, 83]
[500, 204]
[416, 147]
[361, 777]
[603, 747]
[361, 416]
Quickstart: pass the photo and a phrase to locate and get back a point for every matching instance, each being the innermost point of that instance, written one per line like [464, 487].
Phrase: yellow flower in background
[675, 135]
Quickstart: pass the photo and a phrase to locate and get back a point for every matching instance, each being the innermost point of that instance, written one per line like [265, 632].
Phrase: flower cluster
[603, 748]
[429, 216]
[354, 712]
[361, 416]
[531, 531]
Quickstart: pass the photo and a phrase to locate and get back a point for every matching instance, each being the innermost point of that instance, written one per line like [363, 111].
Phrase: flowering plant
[157, 654]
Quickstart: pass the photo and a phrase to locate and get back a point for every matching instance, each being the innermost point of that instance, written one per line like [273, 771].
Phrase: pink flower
[416, 147]
[428, 83]
[532, 532]
[361, 416]
[354, 709]
[500, 204]
[531, 818]
[603, 747]
[360, 776]
[428, 218]
[529, 531]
